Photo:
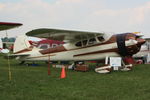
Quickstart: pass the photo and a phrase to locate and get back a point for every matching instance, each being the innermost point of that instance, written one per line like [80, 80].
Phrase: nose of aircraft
[129, 50]
[136, 48]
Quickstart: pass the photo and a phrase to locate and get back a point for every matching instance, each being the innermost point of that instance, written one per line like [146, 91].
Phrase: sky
[117, 16]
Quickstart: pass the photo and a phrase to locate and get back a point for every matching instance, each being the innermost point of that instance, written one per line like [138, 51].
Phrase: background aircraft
[6, 26]
[143, 56]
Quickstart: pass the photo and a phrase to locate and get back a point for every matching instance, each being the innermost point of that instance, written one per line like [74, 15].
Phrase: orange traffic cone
[63, 73]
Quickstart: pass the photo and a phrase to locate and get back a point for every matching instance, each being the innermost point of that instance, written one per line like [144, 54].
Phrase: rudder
[21, 44]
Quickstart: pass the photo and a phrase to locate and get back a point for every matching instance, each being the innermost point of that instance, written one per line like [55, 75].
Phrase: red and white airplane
[79, 45]
[6, 26]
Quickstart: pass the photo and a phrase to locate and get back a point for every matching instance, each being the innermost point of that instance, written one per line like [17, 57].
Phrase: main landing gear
[116, 63]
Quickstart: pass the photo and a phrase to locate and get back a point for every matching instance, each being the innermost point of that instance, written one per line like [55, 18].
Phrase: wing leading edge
[62, 35]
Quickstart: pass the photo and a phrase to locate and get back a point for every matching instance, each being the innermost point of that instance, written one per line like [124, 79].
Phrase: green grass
[33, 83]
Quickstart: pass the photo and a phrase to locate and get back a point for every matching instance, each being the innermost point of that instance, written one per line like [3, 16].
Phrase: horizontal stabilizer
[12, 56]
[19, 55]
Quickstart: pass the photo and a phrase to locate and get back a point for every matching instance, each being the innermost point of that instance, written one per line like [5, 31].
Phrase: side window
[81, 43]
[92, 41]
[78, 44]
[100, 38]
[54, 45]
[43, 46]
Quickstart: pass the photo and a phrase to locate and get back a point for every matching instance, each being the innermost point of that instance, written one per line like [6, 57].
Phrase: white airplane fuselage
[74, 54]
[113, 46]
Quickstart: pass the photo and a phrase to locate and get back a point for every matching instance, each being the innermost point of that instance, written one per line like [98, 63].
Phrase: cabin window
[92, 41]
[54, 45]
[79, 44]
[87, 42]
[100, 38]
[44, 46]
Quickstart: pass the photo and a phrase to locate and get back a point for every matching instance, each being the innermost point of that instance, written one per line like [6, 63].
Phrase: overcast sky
[115, 16]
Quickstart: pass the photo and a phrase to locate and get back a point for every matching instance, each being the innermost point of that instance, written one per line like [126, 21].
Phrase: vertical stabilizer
[21, 44]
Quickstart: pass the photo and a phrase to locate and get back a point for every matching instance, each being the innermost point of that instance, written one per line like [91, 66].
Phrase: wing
[7, 25]
[62, 35]
[20, 54]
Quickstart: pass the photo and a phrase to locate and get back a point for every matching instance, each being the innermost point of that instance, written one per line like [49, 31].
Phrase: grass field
[33, 83]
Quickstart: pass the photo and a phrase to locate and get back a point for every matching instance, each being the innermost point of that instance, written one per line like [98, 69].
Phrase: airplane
[6, 26]
[143, 56]
[79, 46]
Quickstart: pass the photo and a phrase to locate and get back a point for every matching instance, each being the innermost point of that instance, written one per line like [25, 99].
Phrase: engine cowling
[128, 44]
